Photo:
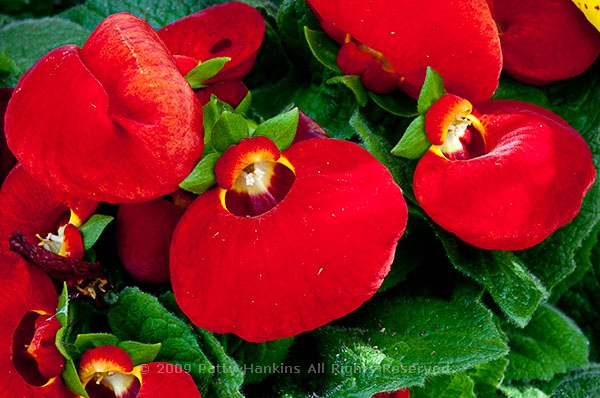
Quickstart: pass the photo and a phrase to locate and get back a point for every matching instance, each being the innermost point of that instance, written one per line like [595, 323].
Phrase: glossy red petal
[442, 113]
[43, 347]
[7, 160]
[108, 370]
[166, 380]
[27, 206]
[530, 183]
[114, 121]
[36, 295]
[457, 38]
[316, 256]
[545, 41]
[230, 29]
[143, 238]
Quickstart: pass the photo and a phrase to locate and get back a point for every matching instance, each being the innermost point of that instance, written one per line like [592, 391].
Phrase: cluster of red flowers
[291, 235]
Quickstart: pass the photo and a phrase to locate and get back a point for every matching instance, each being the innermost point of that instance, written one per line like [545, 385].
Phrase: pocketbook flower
[289, 240]
[234, 30]
[543, 42]
[30, 362]
[391, 43]
[113, 121]
[503, 176]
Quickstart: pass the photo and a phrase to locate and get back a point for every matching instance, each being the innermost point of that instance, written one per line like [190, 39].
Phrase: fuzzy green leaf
[414, 142]
[458, 385]
[26, 41]
[259, 360]
[377, 349]
[581, 383]
[550, 344]
[433, 89]
[281, 129]
[204, 71]
[514, 288]
[141, 317]
[323, 48]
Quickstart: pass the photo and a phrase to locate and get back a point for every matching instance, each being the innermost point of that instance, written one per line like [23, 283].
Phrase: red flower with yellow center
[108, 371]
[503, 176]
[289, 240]
[391, 43]
[30, 361]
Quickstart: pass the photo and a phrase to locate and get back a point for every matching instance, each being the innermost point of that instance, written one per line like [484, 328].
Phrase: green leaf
[69, 373]
[62, 308]
[323, 48]
[87, 341]
[516, 290]
[202, 178]
[72, 380]
[281, 129]
[488, 377]
[92, 229]
[433, 89]
[140, 352]
[414, 142]
[244, 104]
[156, 12]
[550, 344]
[581, 383]
[458, 385]
[7, 67]
[582, 303]
[211, 112]
[259, 360]
[393, 344]
[397, 103]
[229, 129]
[353, 83]
[527, 392]
[139, 316]
[26, 41]
[204, 71]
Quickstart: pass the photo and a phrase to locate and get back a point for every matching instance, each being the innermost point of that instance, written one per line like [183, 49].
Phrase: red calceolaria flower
[289, 241]
[210, 33]
[144, 230]
[391, 43]
[543, 42]
[113, 121]
[30, 361]
[503, 176]
[108, 371]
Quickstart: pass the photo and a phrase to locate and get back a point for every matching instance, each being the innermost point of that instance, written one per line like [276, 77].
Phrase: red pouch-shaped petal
[232, 29]
[457, 38]
[114, 121]
[30, 364]
[314, 240]
[545, 41]
[529, 181]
